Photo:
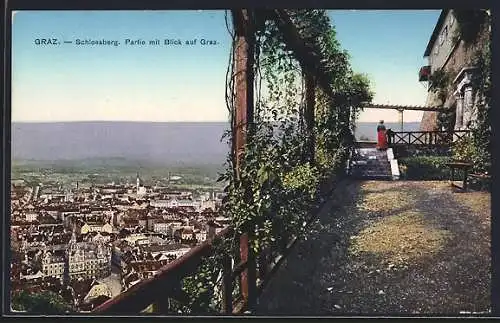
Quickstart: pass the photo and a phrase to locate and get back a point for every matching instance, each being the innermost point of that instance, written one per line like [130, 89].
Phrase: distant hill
[170, 142]
[192, 143]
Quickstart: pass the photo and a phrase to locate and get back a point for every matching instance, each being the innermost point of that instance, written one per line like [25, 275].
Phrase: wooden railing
[159, 290]
[426, 138]
[249, 271]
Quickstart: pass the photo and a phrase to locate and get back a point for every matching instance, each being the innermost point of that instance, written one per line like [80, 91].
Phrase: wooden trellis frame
[158, 290]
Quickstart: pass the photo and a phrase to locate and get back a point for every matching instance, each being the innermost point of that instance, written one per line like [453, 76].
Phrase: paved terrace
[382, 247]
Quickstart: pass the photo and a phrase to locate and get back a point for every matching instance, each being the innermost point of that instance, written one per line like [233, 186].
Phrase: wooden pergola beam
[311, 62]
[306, 55]
[403, 107]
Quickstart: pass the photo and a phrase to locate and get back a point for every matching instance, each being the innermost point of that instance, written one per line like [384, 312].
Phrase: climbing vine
[439, 82]
[477, 148]
[277, 184]
[202, 292]
[469, 24]
[472, 25]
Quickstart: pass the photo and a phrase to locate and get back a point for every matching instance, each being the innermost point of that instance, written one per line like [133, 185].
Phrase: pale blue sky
[186, 83]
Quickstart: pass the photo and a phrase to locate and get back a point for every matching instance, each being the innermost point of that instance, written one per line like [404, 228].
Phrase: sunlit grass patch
[400, 239]
[478, 202]
[385, 201]
[374, 186]
[436, 185]
[371, 185]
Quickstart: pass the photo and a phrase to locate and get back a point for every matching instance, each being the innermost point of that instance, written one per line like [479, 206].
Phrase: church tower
[138, 183]
[72, 242]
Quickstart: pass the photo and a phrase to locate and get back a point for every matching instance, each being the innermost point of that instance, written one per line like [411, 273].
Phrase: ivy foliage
[203, 294]
[477, 149]
[469, 23]
[277, 184]
[425, 167]
[439, 83]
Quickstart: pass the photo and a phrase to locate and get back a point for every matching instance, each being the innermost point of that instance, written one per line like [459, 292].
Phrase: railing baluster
[421, 138]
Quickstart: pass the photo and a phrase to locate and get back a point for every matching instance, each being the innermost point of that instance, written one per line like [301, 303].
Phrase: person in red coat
[381, 136]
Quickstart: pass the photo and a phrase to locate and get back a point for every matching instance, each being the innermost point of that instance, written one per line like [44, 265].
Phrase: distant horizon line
[132, 121]
[128, 121]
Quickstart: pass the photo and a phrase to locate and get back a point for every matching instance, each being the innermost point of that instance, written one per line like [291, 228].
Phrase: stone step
[372, 171]
[381, 163]
[371, 163]
[373, 177]
[386, 164]
[385, 168]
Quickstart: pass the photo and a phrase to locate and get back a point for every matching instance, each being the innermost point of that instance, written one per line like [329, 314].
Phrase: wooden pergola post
[401, 121]
[243, 21]
[244, 77]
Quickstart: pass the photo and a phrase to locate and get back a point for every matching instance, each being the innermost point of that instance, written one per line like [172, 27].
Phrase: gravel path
[389, 248]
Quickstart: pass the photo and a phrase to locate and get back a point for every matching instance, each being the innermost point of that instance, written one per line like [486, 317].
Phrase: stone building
[451, 55]
[88, 260]
[53, 264]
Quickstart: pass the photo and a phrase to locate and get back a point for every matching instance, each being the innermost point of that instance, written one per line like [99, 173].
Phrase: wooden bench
[483, 179]
[465, 166]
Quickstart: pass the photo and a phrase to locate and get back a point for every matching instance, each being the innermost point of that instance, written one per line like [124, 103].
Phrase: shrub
[425, 168]
[475, 151]
[45, 302]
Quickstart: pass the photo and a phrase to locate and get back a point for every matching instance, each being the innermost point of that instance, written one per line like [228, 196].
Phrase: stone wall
[429, 121]
[461, 55]
[444, 44]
